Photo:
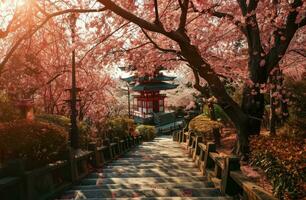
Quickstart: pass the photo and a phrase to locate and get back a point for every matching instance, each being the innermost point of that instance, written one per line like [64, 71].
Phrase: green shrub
[219, 113]
[37, 143]
[119, 126]
[148, 132]
[282, 160]
[58, 120]
[8, 111]
[64, 122]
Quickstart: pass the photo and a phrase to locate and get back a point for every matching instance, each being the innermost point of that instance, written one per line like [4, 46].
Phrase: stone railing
[223, 171]
[47, 182]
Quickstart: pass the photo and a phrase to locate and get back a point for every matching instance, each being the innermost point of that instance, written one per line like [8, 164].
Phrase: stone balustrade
[223, 171]
[47, 182]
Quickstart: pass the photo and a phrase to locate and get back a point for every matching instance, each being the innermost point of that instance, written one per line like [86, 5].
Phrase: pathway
[153, 170]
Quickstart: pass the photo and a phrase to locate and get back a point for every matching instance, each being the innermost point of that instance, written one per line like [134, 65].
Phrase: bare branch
[157, 21]
[103, 40]
[158, 47]
[183, 17]
[301, 52]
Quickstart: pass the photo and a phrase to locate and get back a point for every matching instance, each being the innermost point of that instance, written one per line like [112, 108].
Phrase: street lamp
[128, 98]
[74, 132]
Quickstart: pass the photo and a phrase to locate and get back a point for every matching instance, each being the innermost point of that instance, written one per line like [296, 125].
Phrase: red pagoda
[148, 102]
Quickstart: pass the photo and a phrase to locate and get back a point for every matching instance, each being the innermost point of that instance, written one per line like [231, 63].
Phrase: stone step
[151, 164]
[153, 156]
[142, 174]
[132, 193]
[148, 160]
[158, 170]
[194, 184]
[154, 170]
[153, 180]
[135, 167]
[155, 198]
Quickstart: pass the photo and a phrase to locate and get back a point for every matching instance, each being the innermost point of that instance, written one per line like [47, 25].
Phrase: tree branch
[103, 40]
[283, 36]
[157, 21]
[34, 30]
[158, 47]
[183, 17]
[230, 17]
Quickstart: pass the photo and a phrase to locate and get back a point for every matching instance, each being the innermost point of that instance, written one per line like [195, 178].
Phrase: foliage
[148, 132]
[37, 142]
[282, 160]
[296, 124]
[8, 111]
[220, 114]
[119, 126]
[64, 122]
[202, 125]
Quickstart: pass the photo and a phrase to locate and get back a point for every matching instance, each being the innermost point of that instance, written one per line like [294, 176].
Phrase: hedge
[37, 143]
[64, 122]
[148, 132]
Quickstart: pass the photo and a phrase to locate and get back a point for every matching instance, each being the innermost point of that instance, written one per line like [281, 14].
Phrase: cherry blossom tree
[39, 66]
[261, 34]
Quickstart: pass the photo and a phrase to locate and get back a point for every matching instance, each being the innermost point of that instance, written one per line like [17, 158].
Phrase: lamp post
[74, 132]
[129, 101]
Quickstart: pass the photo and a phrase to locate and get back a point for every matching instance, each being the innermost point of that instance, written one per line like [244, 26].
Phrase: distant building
[149, 105]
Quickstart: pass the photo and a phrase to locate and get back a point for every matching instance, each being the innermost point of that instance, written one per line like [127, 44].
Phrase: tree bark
[253, 105]
[230, 107]
[211, 109]
[272, 125]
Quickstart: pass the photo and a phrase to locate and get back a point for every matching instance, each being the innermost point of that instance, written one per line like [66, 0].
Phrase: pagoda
[149, 103]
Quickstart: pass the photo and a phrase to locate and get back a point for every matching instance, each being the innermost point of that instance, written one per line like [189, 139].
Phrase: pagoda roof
[160, 77]
[154, 86]
[133, 68]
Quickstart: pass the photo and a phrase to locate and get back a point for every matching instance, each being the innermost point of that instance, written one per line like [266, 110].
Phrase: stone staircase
[154, 170]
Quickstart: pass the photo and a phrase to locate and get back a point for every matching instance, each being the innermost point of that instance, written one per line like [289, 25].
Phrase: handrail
[223, 170]
[49, 181]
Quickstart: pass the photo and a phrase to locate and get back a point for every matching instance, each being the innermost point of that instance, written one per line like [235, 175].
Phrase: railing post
[208, 161]
[17, 168]
[96, 158]
[179, 135]
[197, 148]
[175, 136]
[118, 149]
[228, 186]
[106, 142]
[73, 166]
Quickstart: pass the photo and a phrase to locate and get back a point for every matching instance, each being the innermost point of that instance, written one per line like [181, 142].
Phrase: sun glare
[11, 4]
[20, 3]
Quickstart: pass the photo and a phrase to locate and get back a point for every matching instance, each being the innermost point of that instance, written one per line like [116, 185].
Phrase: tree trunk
[272, 120]
[272, 116]
[212, 113]
[230, 107]
[253, 105]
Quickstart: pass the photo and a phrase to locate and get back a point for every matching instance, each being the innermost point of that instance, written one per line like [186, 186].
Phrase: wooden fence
[224, 171]
[47, 182]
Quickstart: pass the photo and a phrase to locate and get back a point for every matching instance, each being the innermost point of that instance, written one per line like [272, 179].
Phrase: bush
[119, 126]
[37, 143]
[203, 126]
[282, 160]
[296, 124]
[219, 113]
[148, 132]
[64, 122]
[8, 111]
